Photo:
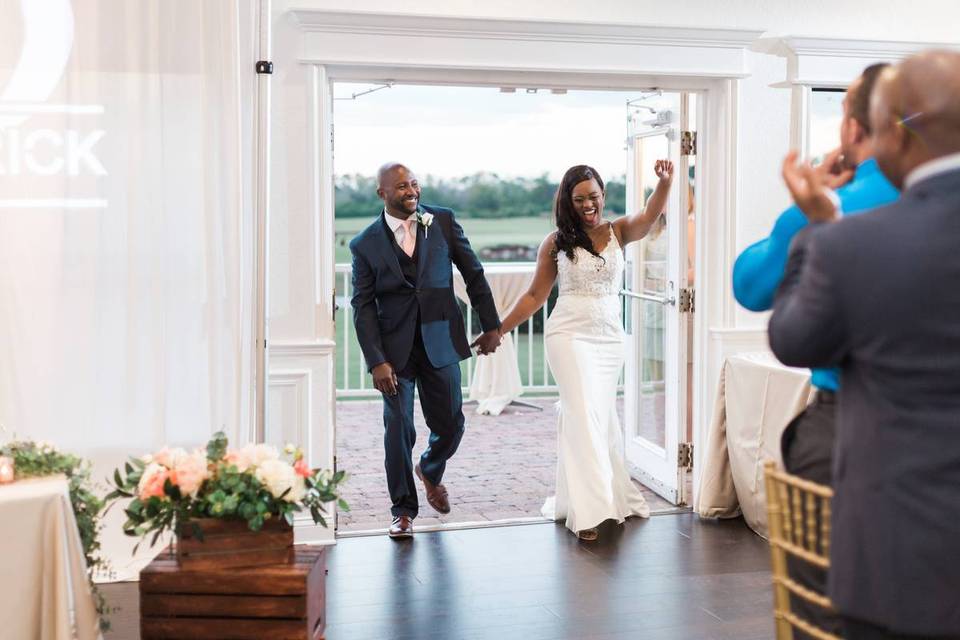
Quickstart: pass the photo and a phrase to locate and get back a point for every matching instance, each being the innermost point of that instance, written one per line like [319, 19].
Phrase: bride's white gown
[585, 349]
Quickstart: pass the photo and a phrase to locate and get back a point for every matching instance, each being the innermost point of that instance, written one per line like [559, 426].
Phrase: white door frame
[315, 47]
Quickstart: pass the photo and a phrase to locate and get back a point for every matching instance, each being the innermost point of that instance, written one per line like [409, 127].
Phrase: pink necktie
[409, 236]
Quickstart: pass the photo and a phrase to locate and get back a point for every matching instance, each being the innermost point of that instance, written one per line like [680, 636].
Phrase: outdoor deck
[505, 467]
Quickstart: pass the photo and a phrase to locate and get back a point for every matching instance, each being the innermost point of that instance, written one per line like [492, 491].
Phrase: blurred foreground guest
[877, 296]
[807, 442]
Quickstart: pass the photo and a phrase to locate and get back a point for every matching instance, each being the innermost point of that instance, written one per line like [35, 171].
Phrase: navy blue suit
[405, 313]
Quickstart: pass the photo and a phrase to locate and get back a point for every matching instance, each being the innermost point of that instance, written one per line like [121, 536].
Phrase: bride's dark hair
[570, 231]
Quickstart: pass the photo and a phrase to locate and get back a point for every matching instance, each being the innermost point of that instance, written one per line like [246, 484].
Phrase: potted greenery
[227, 507]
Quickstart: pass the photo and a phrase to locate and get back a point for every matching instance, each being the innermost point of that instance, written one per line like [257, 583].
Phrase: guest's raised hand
[664, 170]
[833, 171]
[808, 190]
[385, 379]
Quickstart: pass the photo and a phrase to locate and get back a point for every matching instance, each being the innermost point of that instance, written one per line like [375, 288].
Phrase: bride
[584, 340]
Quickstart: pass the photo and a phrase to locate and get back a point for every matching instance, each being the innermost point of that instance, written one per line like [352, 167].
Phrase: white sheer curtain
[125, 265]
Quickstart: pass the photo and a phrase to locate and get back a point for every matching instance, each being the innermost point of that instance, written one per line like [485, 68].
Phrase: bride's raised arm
[536, 296]
[635, 226]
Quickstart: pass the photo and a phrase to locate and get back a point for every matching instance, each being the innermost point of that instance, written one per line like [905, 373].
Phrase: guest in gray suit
[878, 295]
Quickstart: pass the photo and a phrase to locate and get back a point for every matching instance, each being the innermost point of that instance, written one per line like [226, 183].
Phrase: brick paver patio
[505, 467]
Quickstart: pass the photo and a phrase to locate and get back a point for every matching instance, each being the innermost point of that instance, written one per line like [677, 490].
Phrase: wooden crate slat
[274, 601]
[164, 575]
[226, 606]
[221, 629]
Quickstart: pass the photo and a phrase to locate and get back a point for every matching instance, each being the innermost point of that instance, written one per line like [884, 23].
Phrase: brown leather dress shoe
[402, 527]
[436, 493]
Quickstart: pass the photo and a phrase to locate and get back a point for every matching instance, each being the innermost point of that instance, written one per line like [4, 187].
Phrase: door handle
[649, 297]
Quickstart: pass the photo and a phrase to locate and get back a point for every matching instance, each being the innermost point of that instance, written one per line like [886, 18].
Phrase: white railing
[353, 379]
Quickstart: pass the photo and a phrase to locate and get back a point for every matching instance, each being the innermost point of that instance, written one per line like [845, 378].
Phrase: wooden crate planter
[284, 601]
[231, 543]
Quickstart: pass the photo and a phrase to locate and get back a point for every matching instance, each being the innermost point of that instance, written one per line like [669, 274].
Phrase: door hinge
[264, 67]
[685, 456]
[687, 302]
[688, 143]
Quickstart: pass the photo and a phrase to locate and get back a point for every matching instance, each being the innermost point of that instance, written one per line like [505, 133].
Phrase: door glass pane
[653, 279]
[826, 112]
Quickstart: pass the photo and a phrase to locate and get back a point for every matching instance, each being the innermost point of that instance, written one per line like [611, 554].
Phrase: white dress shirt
[932, 168]
[396, 226]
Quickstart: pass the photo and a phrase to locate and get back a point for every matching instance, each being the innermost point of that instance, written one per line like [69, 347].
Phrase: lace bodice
[589, 275]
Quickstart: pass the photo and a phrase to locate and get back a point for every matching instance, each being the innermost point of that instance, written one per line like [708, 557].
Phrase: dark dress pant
[854, 629]
[442, 405]
[807, 447]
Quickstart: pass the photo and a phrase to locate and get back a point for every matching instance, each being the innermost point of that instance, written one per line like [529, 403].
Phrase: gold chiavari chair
[798, 517]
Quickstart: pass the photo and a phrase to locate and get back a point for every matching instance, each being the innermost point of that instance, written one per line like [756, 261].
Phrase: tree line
[482, 195]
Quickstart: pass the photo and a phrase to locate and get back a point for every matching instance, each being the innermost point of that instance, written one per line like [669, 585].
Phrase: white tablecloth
[756, 400]
[496, 377]
[44, 592]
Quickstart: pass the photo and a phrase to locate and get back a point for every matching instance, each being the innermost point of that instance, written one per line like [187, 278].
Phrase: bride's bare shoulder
[548, 248]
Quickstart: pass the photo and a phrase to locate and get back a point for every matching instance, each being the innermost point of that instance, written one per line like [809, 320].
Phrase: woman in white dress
[584, 340]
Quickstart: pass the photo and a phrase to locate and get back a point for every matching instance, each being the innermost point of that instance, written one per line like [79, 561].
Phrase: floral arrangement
[38, 459]
[255, 483]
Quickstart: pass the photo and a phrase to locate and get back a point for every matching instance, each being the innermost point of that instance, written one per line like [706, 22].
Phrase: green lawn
[482, 232]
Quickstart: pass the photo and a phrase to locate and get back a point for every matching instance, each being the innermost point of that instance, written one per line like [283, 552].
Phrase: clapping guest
[807, 442]
[876, 295]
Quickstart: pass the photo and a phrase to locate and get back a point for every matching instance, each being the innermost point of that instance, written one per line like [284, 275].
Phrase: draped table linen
[44, 591]
[757, 397]
[496, 377]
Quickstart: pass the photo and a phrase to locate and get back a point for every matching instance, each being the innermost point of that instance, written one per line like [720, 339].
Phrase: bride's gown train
[585, 346]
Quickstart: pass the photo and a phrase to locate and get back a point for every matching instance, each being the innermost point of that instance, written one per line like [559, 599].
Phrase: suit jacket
[388, 309]
[879, 296]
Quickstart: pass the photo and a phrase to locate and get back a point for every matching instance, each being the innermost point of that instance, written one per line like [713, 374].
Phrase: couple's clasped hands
[385, 378]
[487, 342]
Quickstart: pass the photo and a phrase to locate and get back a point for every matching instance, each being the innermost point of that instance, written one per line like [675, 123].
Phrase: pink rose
[189, 472]
[302, 468]
[152, 480]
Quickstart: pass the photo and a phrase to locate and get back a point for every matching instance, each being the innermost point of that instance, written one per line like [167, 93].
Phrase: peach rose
[302, 468]
[189, 472]
[152, 480]
[167, 456]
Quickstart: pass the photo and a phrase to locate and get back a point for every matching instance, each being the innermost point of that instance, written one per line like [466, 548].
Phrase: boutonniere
[426, 219]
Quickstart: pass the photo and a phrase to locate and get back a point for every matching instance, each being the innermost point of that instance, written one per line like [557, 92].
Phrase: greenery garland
[39, 459]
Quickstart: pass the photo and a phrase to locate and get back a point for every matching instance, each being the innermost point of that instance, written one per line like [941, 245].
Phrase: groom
[411, 332]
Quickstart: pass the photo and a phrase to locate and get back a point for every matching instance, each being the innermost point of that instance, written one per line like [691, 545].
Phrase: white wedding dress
[585, 350]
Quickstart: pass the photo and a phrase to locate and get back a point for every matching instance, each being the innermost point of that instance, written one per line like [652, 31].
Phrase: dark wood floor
[672, 577]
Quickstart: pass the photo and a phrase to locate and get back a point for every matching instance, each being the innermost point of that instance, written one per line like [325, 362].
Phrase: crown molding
[836, 62]
[845, 48]
[434, 26]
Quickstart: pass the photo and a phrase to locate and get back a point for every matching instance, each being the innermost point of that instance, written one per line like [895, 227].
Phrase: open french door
[656, 301]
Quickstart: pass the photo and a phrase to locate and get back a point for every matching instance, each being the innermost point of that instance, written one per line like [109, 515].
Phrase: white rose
[257, 454]
[278, 476]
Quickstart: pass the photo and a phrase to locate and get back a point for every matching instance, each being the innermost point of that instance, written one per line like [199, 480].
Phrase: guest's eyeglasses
[905, 120]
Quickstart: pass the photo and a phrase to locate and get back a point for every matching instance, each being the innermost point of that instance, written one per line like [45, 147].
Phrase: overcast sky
[457, 131]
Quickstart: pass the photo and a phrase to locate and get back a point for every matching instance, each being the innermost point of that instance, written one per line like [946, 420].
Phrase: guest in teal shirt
[759, 269]
[807, 442]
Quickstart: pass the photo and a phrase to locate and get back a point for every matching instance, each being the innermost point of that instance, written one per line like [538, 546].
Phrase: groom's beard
[402, 205]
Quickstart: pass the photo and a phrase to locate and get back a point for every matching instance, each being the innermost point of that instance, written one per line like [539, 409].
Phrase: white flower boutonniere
[426, 219]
